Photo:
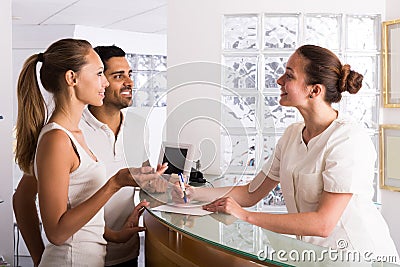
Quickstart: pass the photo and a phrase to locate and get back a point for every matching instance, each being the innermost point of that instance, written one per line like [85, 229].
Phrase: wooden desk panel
[166, 246]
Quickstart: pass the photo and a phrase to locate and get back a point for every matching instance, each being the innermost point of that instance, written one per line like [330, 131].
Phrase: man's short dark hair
[107, 52]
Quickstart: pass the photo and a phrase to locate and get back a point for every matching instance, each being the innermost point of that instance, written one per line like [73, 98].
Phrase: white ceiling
[148, 16]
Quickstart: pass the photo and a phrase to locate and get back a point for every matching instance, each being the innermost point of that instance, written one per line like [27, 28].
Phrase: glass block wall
[150, 79]
[255, 49]
[150, 96]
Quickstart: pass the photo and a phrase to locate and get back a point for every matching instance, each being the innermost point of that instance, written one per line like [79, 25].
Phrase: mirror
[391, 63]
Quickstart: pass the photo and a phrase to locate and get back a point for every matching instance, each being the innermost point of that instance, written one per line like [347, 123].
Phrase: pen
[182, 185]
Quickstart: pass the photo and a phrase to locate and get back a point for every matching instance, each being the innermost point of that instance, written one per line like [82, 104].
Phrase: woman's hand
[227, 205]
[157, 185]
[147, 175]
[138, 176]
[148, 169]
[161, 168]
[177, 193]
[131, 225]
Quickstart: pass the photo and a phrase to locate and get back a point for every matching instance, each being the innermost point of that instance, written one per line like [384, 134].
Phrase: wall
[194, 34]
[390, 199]
[193, 37]
[132, 42]
[6, 158]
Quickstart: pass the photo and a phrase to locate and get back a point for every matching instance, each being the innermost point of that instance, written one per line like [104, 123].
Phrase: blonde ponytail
[31, 115]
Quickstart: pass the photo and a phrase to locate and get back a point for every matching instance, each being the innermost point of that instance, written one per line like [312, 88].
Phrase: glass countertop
[231, 234]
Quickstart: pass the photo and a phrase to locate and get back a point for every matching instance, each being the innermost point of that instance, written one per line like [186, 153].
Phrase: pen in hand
[182, 185]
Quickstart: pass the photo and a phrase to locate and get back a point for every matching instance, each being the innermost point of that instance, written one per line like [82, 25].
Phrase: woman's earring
[310, 96]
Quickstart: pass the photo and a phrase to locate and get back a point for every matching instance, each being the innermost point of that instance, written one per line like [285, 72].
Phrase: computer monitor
[179, 157]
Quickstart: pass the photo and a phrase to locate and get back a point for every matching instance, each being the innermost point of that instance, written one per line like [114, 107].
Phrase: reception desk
[221, 240]
[167, 244]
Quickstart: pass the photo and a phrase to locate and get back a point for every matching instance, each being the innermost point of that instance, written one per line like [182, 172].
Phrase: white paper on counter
[190, 210]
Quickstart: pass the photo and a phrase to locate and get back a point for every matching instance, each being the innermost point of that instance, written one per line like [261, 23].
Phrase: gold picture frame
[389, 143]
[391, 63]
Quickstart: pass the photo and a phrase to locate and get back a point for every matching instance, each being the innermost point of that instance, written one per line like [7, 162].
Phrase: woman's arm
[245, 198]
[318, 223]
[55, 160]
[240, 193]
[24, 204]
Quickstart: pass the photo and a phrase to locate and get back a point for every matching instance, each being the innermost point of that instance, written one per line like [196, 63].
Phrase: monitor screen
[178, 156]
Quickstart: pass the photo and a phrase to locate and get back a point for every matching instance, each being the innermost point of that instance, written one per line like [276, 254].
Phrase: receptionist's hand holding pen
[182, 192]
[182, 185]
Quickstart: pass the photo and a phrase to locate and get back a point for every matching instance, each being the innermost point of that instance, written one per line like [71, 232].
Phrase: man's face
[118, 74]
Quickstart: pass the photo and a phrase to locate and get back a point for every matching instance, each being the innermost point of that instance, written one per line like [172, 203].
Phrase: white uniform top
[87, 246]
[110, 150]
[340, 160]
